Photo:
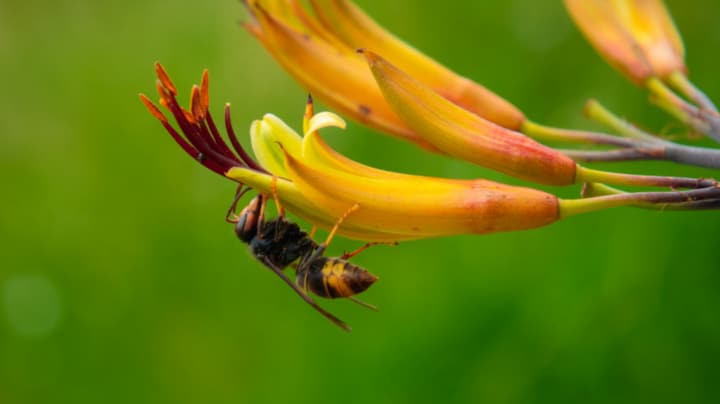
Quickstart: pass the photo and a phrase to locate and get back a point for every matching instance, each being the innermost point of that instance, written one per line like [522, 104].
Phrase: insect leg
[321, 249]
[231, 216]
[363, 304]
[261, 215]
[305, 297]
[351, 254]
[338, 223]
[280, 209]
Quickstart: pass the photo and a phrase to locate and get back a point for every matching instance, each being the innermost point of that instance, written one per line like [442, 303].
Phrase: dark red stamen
[200, 137]
[218, 139]
[236, 144]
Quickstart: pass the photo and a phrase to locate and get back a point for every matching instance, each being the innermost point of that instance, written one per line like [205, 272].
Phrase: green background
[121, 283]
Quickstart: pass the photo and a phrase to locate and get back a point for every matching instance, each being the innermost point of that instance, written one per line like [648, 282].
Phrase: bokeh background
[121, 283]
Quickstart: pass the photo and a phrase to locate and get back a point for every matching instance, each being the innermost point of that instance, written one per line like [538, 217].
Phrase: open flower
[320, 185]
[637, 37]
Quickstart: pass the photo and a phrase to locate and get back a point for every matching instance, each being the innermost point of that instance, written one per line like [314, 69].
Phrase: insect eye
[246, 226]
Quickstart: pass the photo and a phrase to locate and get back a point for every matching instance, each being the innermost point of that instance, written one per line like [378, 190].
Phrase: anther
[155, 111]
[164, 78]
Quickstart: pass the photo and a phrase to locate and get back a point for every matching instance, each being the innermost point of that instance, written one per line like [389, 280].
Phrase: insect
[279, 243]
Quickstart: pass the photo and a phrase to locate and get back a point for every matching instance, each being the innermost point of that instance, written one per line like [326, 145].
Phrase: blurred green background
[121, 283]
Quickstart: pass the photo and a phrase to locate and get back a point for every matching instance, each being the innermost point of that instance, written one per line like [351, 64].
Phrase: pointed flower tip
[324, 120]
[370, 56]
[205, 90]
[196, 104]
[154, 110]
[165, 78]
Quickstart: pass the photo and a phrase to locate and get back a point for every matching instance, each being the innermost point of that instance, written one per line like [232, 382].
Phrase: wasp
[279, 243]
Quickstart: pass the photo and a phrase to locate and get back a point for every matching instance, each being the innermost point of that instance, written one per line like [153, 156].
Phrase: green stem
[703, 197]
[595, 189]
[705, 122]
[681, 83]
[597, 112]
[697, 156]
[585, 174]
[551, 134]
[627, 154]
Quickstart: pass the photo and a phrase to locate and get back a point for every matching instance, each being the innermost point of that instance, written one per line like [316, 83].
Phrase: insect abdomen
[335, 277]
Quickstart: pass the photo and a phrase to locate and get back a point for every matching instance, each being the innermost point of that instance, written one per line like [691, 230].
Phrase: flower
[637, 37]
[320, 185]
[319, 52]
[462, 134]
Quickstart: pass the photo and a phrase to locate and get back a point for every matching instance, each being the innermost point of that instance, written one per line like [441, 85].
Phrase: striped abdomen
[333, 278]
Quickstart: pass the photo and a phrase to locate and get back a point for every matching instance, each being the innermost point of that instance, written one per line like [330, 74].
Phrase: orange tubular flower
[320, 185]
[637, 37]
[319, 52]
[460, 133]
[327, 64]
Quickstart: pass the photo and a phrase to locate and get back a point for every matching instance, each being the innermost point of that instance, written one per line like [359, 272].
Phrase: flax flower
[320, 185]
[319, 51]
[478, 126]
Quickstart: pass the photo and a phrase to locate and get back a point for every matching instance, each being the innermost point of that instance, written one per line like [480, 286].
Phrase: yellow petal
[268, 157]
[295, 202]
[459, 133]
[337, 77]
[358, 30]
[324, 120]
[422, 206]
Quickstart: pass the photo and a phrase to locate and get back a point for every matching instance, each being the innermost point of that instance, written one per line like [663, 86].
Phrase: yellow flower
[637, 37]
[320, 185]
[460, 133]
[319, 52]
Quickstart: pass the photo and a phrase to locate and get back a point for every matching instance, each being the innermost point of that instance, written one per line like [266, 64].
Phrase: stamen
[196, 104]
[187, 147]
[163, 93]
[152, 108]
[236, 144]
[195, 135]
[205, 91]
[189, 116]
[309, 112]
[219, 141]
[198, 135]
[165, 79]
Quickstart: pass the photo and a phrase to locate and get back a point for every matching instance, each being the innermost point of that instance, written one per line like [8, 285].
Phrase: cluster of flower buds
[339, 54]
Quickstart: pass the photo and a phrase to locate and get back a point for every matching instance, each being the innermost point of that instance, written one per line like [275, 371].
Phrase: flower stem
[626, 154]
[595, 189]
[598, 113]
[703, 121]
[703, 198]
[548, 133]
[585, 174]
[697, 156]
[681, 83]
